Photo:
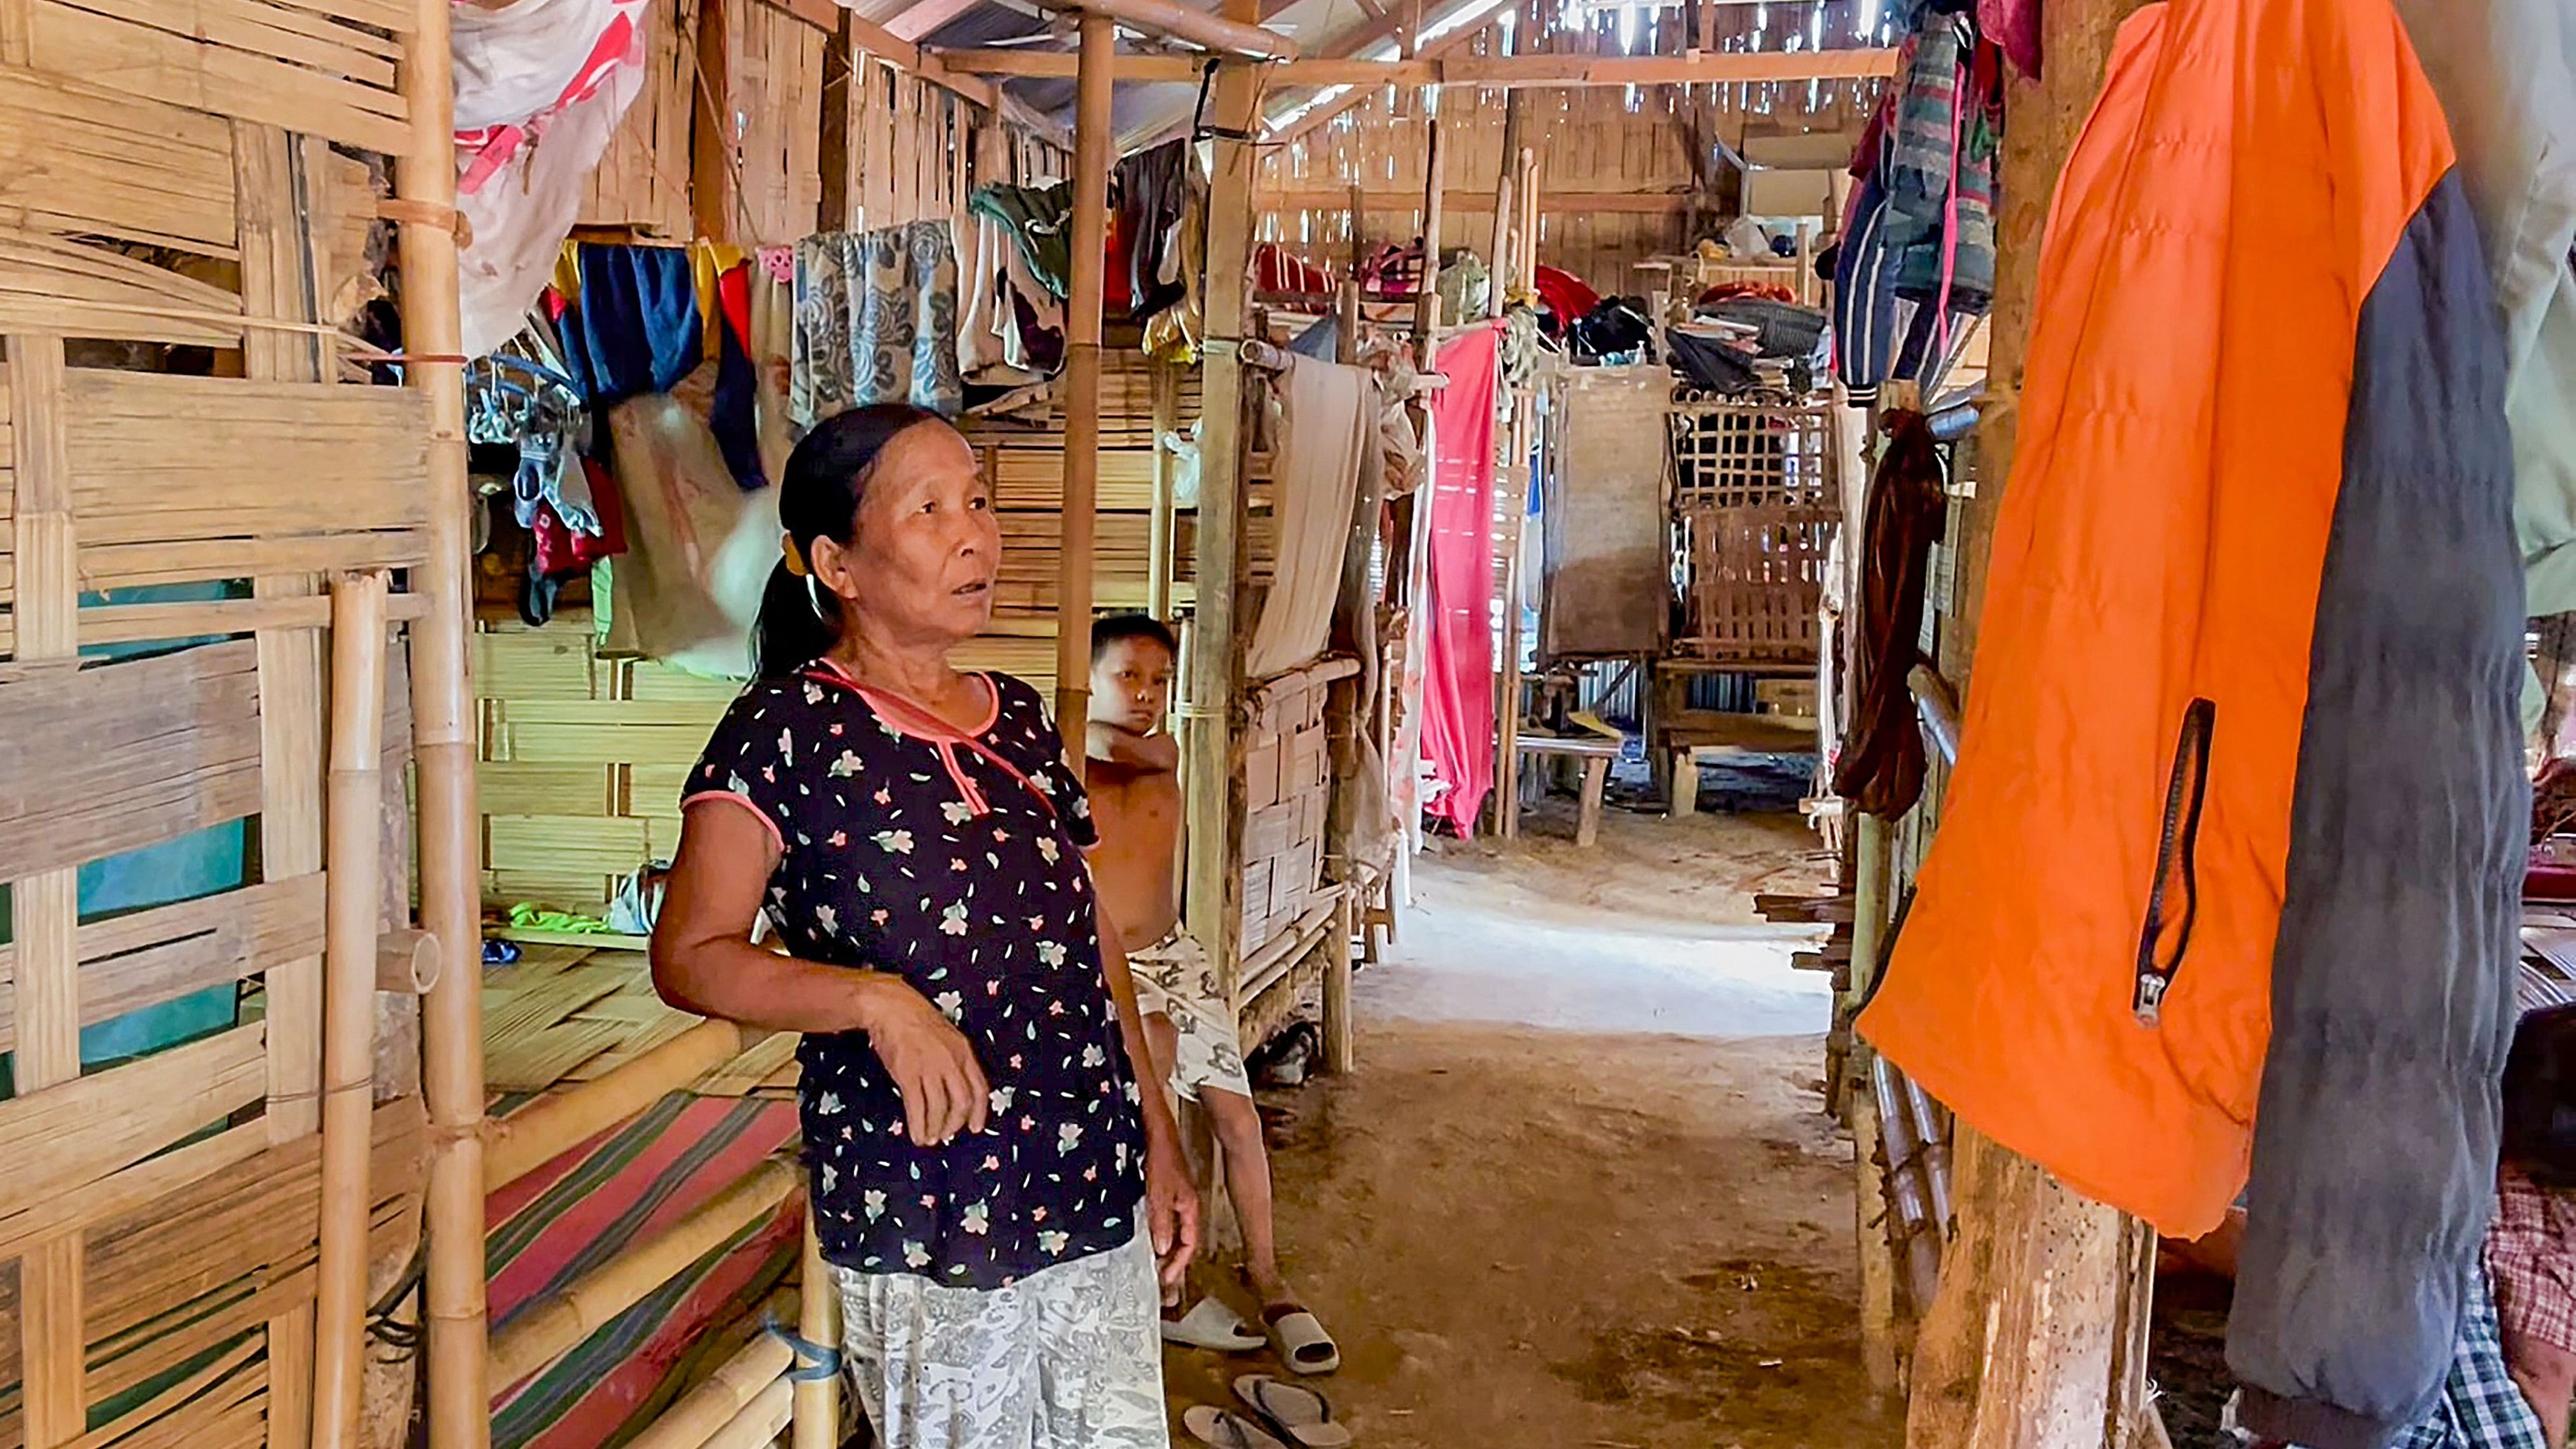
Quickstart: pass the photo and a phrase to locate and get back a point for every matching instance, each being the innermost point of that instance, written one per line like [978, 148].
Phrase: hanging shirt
[953, 860]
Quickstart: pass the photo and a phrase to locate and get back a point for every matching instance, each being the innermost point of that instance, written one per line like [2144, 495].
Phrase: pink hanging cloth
[1458, 623]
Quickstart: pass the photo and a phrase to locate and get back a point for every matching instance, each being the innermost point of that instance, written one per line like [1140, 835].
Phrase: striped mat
[599, 1199]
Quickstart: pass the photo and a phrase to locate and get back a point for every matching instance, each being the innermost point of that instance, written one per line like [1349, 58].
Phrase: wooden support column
[52, 1321]
[1091, 144]
[353, 903]
[712, 152]
[1426, 299]
[460, 1403]
[2028, 1343]
[1213, 894]
[1502, 270]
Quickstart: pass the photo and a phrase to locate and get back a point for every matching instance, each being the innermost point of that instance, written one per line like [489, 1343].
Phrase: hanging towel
[2228, 871]
[1322, 429]
[1458, 607]
[1039, 221]
[634, 328]
[1881, 763]
[876, 321]
[773, 332]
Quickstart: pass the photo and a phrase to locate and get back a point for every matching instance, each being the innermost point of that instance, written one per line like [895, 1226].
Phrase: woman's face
[925, 547]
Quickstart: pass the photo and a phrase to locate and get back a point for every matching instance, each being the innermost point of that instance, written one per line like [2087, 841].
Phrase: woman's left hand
[1171, 1206]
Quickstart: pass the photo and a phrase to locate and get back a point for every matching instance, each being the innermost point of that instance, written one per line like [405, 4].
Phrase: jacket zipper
[2176, 850]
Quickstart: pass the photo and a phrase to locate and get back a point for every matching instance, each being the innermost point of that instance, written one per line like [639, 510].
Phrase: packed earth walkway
[1581, 1192]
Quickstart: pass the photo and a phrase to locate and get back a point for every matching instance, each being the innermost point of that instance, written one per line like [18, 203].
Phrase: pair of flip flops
[1303, 1344]
[1284, 1416]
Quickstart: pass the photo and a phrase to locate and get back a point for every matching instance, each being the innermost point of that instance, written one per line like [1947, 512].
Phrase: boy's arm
[1137, 752]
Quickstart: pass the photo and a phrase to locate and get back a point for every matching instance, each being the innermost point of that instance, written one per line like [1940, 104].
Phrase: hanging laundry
[699, 549]
[1880, 765]
[2014, 26]
[736, 418]
[563, 70]
[1153, 190]
[772, 307]
[1039, 220]
[876, 321]
[633, 328]
[1457, 630]
[1321, 435]
[2506, 73]
[1567, 297]
[1464, 286]
[2238, 816]
[1172, 334]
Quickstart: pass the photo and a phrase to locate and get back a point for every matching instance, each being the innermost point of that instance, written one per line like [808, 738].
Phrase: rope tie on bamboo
[814, 1362]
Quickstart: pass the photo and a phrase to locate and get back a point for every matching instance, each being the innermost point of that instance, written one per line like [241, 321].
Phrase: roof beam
[1408, 201]
[1505, 72]
[917, 20]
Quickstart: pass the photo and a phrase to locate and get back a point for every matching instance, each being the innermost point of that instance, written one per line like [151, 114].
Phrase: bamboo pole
[407, 962]
[352, 906]
[706, 1409]
[1507, 677]
[1236, 37]
[1213, 894]
[553, 1325]
[818, 1321]
[536, 1134]
[459, 1407]
[1159, 545]
[52, 1309]
[1426, 299]
[1091, 145]
[759, 1421]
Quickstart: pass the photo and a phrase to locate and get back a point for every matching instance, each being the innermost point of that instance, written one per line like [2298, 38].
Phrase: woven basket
[1755, 506]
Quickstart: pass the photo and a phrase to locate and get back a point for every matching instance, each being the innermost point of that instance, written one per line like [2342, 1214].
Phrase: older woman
[990, 1187]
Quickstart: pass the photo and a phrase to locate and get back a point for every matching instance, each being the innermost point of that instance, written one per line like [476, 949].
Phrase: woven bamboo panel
[131, 962]
[1756, 504]
[642, 182]
[583, 756]
[777, 89]
[49, 286]
[289, 66]
[77, 158]
[158, 459]
[126, 755]
[1287, 787]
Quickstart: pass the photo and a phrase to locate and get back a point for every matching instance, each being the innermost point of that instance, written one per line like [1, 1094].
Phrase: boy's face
[1131, 680]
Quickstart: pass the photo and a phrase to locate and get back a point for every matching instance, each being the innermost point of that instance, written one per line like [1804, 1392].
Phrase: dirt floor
[1581, 1193]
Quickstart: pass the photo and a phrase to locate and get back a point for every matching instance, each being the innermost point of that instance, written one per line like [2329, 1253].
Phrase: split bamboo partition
[193, 496]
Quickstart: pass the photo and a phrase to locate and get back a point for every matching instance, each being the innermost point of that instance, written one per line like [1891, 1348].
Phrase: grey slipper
[1225, 1429]
[1298, 1413]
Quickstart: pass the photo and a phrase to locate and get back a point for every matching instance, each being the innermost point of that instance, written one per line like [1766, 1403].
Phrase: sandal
[1299, 1415]
[1303, 1344]
[1211, 1325]
[1224, 1429]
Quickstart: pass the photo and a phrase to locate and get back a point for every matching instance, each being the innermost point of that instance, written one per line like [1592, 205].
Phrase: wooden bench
[1595, 752]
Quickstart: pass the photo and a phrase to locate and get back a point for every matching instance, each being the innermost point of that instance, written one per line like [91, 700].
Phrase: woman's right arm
[704, 961]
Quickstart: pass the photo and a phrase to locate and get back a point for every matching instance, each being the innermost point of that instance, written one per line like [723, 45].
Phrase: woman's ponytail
[818, 497]
[792, 630]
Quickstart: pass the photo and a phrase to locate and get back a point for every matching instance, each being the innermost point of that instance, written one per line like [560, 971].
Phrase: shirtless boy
[1133, 775]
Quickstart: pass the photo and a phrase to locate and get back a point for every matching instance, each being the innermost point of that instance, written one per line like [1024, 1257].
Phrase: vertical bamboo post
[460, 1405]
[1426, 299]
[353, 900]
[2024, 1343]
[818, 1321]
[1213, 894]
[1159, 544]
[52, 1317]
[1507, 676]
[1091, 141]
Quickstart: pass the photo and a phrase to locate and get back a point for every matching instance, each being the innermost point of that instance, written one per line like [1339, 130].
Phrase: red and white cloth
[2531, 1259]
[519, 66]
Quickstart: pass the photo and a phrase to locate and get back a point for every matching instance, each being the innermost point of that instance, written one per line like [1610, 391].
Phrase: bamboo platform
[563, 1015]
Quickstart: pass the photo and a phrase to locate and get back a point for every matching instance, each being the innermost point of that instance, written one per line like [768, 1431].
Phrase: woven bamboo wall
[167, 195]
[1617, 178]
[826, 135]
